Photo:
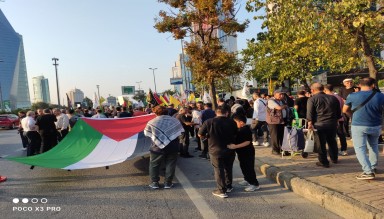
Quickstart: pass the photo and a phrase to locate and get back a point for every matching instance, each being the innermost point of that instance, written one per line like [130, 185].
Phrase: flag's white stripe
[106, 153]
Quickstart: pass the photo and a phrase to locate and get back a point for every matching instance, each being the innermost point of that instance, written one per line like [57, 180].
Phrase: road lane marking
[195, 196]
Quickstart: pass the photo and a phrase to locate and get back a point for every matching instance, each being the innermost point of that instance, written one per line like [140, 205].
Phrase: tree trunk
[212, 91]
[368, 55]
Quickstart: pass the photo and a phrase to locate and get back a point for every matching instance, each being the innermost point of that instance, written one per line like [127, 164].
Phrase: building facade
[41, 89]
[76, 96]
[13, 71]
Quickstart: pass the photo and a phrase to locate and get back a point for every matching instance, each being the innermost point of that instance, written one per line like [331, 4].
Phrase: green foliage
[140, 96]
[201, 19]
[39, 105]
[309, 35]
[381, 83]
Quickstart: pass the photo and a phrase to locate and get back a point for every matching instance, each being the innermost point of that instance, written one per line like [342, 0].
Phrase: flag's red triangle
[119, 129]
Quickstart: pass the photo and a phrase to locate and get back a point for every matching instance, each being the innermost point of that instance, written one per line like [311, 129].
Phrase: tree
[310, 35]
[207, 22]
[39, 105]
[87, 102]
[140, 96]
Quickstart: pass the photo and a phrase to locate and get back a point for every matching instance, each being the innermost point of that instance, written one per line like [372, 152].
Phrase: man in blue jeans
[366, 125]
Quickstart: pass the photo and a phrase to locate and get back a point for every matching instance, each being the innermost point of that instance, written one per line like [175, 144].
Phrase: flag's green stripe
[78, 144]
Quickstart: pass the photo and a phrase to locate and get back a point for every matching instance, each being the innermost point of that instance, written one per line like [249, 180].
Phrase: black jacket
[323, 110]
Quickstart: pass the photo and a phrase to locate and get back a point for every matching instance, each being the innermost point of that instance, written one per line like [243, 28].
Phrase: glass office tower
[13, 71]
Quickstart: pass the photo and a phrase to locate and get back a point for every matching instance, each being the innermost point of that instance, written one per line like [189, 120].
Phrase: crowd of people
[224, 132]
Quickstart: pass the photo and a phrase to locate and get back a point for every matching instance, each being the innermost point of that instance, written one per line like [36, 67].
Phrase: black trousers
[277, 134]
[322, 138]
[48, 139]
[205, 146]
[24, 139]
[247, 165]
[198, 139]
[340, 133]
[346, 125]
[61, 134]
[34, 145]
[184, 143]
[222, 167]
[260, 126]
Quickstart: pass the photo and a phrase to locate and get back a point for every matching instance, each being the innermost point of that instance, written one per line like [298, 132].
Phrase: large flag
[69, 102]
[95, 143]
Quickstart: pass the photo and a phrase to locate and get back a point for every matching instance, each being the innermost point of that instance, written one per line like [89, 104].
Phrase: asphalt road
[122, 192]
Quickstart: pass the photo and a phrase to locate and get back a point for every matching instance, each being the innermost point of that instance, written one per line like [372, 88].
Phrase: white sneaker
[244, 183]
[251, 188]
[255, 143]
[343, 153]
[266, 144]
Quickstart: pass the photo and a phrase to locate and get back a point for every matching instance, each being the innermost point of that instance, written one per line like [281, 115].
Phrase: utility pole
[1, 94]
[55, 60]
[139, 82]
[154, 79]
[98, 93]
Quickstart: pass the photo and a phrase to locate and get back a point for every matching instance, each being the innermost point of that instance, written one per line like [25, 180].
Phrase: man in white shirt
[259, 120]
[34, 139]
[62, 124]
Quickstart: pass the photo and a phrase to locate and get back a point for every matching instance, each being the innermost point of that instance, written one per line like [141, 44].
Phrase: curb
[333, 201]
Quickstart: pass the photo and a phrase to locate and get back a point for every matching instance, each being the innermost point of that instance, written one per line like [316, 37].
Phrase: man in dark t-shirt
[47, 130]
[220, 132]
[343, 93]
[245, 153]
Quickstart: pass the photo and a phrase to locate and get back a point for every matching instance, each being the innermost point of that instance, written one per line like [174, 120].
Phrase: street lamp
[57, 80]
[139, 82]
[154, 79]
[1, 94]
[98, 93]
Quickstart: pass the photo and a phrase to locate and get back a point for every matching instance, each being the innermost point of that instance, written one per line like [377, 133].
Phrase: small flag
[174, 101]
[69, 102]
[151, 99]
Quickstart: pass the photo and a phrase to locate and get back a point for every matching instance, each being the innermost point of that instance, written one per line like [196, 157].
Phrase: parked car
[9, 121]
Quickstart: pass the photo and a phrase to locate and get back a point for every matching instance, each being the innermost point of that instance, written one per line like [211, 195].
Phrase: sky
[107, 43]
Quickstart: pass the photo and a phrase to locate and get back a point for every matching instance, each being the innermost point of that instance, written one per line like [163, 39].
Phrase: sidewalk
[334, 188]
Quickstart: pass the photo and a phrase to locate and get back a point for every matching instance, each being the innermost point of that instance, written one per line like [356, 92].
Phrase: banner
[95, 143]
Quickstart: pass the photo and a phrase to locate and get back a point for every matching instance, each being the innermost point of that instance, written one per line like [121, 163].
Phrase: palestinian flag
[95, 143]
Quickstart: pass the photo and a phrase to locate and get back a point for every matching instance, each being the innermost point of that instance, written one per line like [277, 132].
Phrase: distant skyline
[111, 44]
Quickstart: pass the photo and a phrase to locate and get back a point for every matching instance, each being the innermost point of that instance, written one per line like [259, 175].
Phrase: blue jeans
[364, 136]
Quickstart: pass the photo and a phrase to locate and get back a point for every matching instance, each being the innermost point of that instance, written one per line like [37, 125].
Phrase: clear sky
[107, 43]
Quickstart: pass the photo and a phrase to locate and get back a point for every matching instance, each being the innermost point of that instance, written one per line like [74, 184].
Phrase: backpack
[274, 116]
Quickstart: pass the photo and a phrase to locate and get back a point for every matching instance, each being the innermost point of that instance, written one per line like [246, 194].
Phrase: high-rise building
[76, 96]
[13, 71]
[41, 89]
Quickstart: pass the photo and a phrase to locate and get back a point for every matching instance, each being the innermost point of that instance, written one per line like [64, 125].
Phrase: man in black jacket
[323, 114]
[221, 132]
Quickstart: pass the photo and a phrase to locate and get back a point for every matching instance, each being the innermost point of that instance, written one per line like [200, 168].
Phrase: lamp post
[57, 80]
[154, 79]
[1, 94]
[98, 93]
[139, 82]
